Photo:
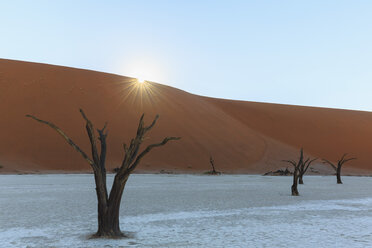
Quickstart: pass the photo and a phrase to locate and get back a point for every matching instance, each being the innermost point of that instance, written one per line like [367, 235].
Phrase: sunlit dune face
[139, 92]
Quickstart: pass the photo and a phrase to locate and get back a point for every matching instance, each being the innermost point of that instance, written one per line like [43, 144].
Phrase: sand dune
[243, 137]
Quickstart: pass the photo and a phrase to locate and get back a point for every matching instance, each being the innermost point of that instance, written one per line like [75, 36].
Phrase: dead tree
[213, 171]
[338, 168]
[212, 164]
[303, 168]
[109, 204]
[296, 166]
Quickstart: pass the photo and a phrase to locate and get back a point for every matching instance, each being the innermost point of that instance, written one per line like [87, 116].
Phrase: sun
[144, 69]
[140, 80]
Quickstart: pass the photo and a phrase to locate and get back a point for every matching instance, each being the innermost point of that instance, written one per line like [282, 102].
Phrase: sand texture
[243, 137]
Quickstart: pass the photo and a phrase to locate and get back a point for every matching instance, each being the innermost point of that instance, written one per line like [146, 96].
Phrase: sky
[313, 53]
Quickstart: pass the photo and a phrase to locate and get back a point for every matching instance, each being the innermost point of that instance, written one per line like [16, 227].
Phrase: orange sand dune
[243, 137]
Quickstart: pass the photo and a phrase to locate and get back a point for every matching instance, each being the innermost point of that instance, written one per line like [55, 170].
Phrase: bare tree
[303, 168]
[213, 171]
[296, 166]
[109, 204]
[339, 165]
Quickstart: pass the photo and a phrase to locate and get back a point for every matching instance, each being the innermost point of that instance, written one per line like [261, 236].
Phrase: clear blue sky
[316, 53]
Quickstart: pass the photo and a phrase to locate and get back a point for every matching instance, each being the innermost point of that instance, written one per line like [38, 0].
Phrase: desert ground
[188, 211]
[242, 137]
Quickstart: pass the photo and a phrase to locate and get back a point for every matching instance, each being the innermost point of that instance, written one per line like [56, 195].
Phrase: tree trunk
[294, 185]
[300, 180]
[338, 173]
[211, 160]
[101, 196]
[109, 225]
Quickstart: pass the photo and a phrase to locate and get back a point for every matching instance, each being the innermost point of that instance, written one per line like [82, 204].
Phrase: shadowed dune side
[323, 132]
[243, 137]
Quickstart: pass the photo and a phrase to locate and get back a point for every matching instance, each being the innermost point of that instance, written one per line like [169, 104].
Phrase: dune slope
[243, 137]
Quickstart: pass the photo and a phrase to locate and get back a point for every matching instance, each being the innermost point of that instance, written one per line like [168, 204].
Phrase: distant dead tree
[213, 171]
[296, 166]
[109, 205]
[279, 172]
[339, 165]
[303, 168]
[211, 161]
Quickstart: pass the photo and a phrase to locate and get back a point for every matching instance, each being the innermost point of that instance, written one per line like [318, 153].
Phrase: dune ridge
[243, 137]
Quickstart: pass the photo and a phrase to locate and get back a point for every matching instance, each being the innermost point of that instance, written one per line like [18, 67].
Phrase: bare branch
[307, 160]
[325, 161]
[341, 161]
[308, 164]
[152, 124]
[127, 154]
[346, 160]
[291, 162]
[92, 138]
[140, 125]
[104, 127]
[68, 139]
[301, 157]
[148, 149]
[102, 138]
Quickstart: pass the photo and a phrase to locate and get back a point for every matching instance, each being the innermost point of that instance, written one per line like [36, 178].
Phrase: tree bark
[110, 226]
[294, 185]
[102, 202]
[300, 180]
[338, 175]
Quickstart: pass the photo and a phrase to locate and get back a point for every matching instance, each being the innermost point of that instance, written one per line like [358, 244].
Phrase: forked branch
[148, 149]
[132, 157]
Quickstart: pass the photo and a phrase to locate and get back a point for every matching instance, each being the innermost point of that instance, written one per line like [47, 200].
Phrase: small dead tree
[339, 165]
[211, 160]
[213, 171]
[109, 204]
[296, 166]
[303, 168]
